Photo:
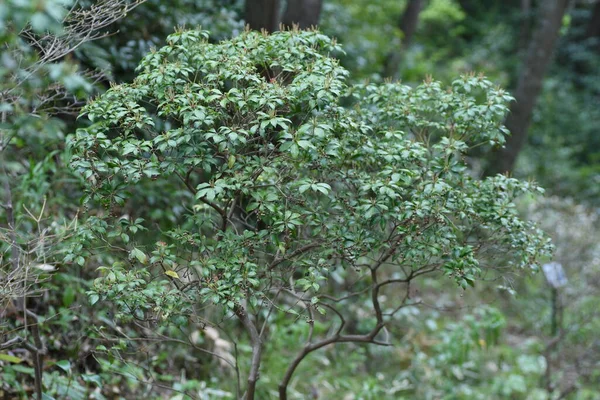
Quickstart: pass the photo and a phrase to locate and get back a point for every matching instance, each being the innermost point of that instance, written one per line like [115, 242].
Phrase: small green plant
[299, 192]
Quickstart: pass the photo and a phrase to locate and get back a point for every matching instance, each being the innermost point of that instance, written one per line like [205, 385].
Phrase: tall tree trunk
[525, 27]
[262, 14]
[529, 85]
[593, 30]
[408, 25]
[304, 13]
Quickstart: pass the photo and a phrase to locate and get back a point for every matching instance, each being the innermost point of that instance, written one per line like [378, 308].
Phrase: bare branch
[297, 252]
[12, 342]
[309, 348]
[256, 344]
[81, 25]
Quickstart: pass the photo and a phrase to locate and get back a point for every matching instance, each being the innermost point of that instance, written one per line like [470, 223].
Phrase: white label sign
[555, 275]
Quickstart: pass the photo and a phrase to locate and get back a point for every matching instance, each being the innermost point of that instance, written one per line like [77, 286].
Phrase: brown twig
[297, 252]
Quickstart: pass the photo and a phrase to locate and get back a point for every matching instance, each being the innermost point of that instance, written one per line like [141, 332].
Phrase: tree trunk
[525, 27]
[262, 14]
[304, 13]
[529, 86]
[593, 30]
[256, 343]
[408, 25]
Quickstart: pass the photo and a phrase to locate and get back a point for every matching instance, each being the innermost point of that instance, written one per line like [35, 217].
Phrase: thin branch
[388, 253]
[12, 342]
[271, 307]
[10, 218]
[375, 297]
[256, 344]
[297, 252]
[309, 348]
[81, 25]
[339, 314]
[348, 296]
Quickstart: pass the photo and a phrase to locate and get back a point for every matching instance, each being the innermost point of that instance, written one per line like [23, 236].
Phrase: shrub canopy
[288, 177]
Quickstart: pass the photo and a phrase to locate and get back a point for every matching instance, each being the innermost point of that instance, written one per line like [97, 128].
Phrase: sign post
[556, 278]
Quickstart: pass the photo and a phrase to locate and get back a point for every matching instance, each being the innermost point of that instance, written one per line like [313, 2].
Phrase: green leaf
[65, 365]
[10, 359]
[139, 255]
[93, 379]
[304, 188]
[94, 299]
[172, 274]
[68, 296]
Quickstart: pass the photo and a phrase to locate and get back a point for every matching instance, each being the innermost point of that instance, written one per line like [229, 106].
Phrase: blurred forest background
[514, 338]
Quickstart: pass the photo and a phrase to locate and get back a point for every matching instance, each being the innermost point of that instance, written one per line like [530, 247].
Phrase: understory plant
[298, 195]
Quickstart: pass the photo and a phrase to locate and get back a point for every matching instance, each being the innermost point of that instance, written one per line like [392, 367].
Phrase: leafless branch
[81, 25]
[256, 344]
[310, 347]
[17, 340]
